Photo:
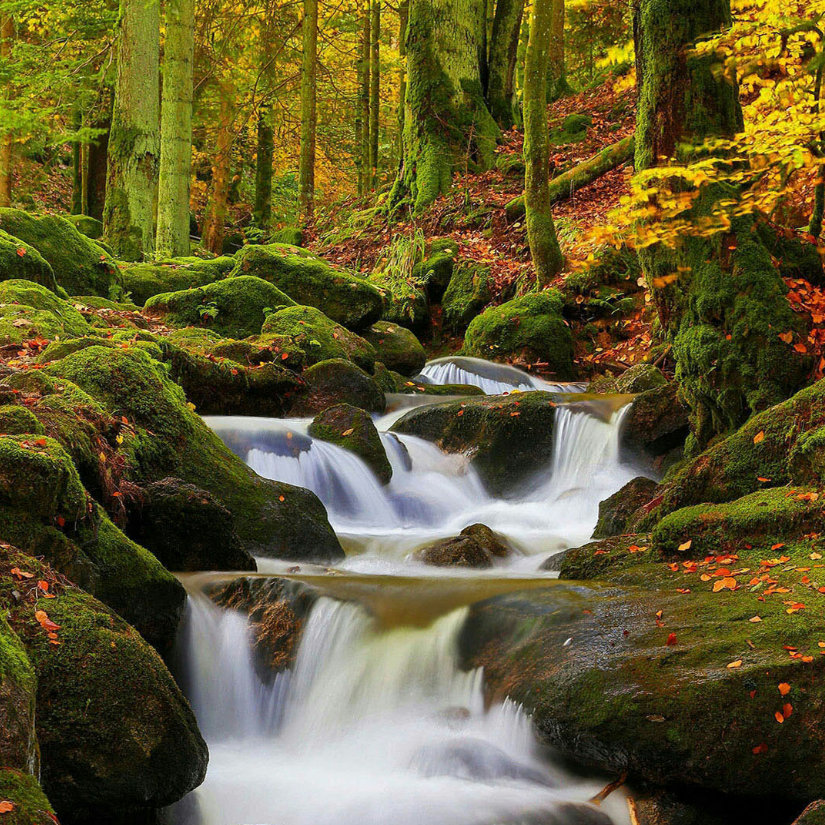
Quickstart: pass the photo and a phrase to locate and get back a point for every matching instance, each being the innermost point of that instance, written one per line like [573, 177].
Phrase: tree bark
[6, 141]
[77, 167]
[176, 129]
[375, 87]
[403, 16]
[95, 156]
[557, 85]
[541, 232]
[262, 209]
[362, 123]
[501, 87]
[214, 221]
[134, 142]
[309, 111]
[447, 124]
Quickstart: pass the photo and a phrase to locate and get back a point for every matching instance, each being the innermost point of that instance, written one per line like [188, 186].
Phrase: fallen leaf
[761, 748]
[755, 619]
[787, 710]
[779, 717]
[350, 431]
[6, 805]
[734, 665]
[685, 546]
[671, 639]
[759, 437]
[784, 688]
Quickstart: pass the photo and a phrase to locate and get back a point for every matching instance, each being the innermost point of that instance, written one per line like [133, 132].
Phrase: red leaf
[671, 639]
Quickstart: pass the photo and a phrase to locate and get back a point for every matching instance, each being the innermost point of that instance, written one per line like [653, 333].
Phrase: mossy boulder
[235, 307]
[30, 804]
[116, 735]
[433, 274]
[186, 528]
[80, 266]
[511, 163]
[15, 419]
[615, 512]
[640, 378]
[656, 424]
[318, 336]
[469, 291]
[312, 281]
[397, 348]
[29, 310]
[814, 814]
[144, 281]
[336, 381]
[526, 330]
[352, 428]
[19, 260]
[508, 437]
[404, 300]
[18, 685]
[165, 438]
[86, 225]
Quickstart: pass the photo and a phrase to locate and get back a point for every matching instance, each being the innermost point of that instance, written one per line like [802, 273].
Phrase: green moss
[289, 235]
[31, 807]
[434, 272]
[397, 348]
[404, 301]
[573, 129]
[80, 266]
[312, 281]
[19, 420]
[143, 281]
[28, 309]
[469, 291]
[85, 225]
[18, 743]
[510, 164]
[640, 378]
[29, 266]
[337, 381]
[526, 330]
[233, 307]
[60, 349]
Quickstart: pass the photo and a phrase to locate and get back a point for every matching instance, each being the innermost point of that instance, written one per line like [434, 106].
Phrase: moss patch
[466, 296]
[397, 348]
[21, 260]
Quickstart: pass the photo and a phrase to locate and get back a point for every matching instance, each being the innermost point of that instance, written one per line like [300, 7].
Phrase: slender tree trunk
[176, 129]
[262, 210]
[309, 111]
[501, 88]
[815, 226]
[95, 156]
[6, 142]
[447, 125]
[541, 232]
[403, 16]
[557, 85]
[134, 142]
[77, 167]
[375, 87]
[363, 148]
[214, 220]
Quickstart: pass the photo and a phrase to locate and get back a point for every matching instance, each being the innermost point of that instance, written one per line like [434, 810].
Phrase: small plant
[208, 312]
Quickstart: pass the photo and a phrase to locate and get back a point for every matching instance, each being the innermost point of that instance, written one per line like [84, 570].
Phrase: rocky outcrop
[616, 511]
[336, 381]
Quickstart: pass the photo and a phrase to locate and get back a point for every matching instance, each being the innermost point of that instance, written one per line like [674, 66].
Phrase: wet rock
[336, 381]
[234, 307]
[664, 808]
[508, 438]
[352, 428]
[562, 813]
[527, 330]
[466, 296]
[656, 423]
[397, 348]
[640, 378]
[30, 804]
[490, 541]
[186, 528]
[117, 737]
[23, 261]
[312, 281]
[144, 281]
[476, 546]
[615, 511]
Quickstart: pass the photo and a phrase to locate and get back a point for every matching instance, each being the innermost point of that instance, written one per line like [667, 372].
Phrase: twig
[632, 811]
[608, 789]
[662, 355]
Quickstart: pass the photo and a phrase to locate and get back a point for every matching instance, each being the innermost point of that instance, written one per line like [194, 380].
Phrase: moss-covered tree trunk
[176, 129]
[95, 154]
[262, 208]
[720, 300]
[6, 144]
[134, 141]
[362, 122]
[446, 122]
[77, 166]
[375, 88]
[501, 83]
[214, 221]
[403, 15]
[541, 232]
[557, 85]
[309, 110]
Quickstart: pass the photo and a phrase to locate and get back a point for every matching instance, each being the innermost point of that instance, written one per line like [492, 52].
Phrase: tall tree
[134, 141]
[214, 220]
[375, 87]
[447, 124]
[556, 66]
[363, 115]
[309, 110]
[262, 209]
[403, 16]
[176, 129]
[719, 297]
[6, 141]
[541, 232]
[95, 154]
[501, 86]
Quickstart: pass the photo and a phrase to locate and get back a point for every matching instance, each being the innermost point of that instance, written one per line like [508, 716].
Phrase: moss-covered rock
[336, 381]
[28, 309]
[477, 546]
[312, 281]
[318, 336]
[508, 437]
[186, 528]
[526, 330]
[469, 291]
[165, 438]
[16, 419]
[814, 814]
[19, 260]
[352, 428]
[116, 735]
[615, 512]
[656, 423]
[404, 300]
[640, 378]
[18, 684]
[433, 274]
[145, 280]
[30, 804]
[86, 225]
[511, 163]
[80, 266]
[397, 348]
[235, 307]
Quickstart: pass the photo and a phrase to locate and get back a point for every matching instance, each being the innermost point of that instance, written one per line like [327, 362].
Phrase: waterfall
[372, 727]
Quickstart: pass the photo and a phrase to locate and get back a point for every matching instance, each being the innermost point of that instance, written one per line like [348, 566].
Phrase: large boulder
[318, 336]
[235, 307]
[21, 260]
[352, 428]
[616, 511]
[528, 330]
[656, 425]
[397, 348]
[312, 281]
[469, 291]
[336, 381]
[80, 266]
[117, 737]
[144, 281]
[18, 685]
[30, 310]
[508, 437]
[164, 437]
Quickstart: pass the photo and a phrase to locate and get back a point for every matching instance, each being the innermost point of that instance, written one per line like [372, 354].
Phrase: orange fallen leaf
[761, 748]
[787, 710]
[671, 639]
[784, 688]
[6, 805]
[779, 717]
[755, 619]
[685, 546]
[44, 620]
[734, 665]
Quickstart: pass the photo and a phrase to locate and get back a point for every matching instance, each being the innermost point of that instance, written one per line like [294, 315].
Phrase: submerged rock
[397, 348]
[615, 512]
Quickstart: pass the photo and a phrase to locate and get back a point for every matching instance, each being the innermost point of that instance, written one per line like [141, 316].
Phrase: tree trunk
[362, 126]
[262, 209]
[134, 141]
[818, 213]
[77, 167]
[375, 87]
[501, 88]
[309, 111]
[446, 122]
[541, 232]
[557, 85]
[403, 16]
[720, 300]
[214, 221]
[95, 157]
[6, 142]
[176, 129]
